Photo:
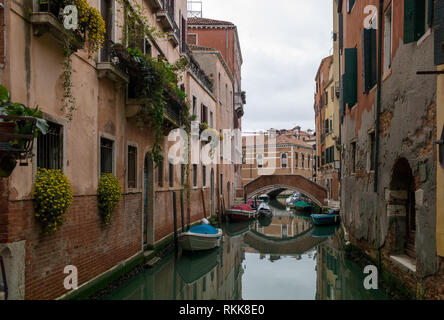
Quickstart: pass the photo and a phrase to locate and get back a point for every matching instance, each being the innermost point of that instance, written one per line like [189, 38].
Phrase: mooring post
[175, 219]
[182, 212]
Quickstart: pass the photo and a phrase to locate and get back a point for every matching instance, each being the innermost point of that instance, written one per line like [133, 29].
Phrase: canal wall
[82, 241]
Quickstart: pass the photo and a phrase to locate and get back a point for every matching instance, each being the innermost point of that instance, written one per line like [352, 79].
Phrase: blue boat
[200, 238]
[325, 219]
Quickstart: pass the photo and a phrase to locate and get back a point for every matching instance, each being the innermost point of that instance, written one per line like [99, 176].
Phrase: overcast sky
[283, 43]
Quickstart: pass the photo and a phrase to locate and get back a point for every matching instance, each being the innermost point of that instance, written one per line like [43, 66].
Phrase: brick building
[102, 137]
[388, 126]
[292, 154]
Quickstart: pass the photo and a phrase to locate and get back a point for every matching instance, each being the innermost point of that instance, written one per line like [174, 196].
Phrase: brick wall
[83, 241]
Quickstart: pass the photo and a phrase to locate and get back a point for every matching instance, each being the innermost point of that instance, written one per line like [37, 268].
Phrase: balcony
[166, 16]
[47, 20]
[106, 68]
[199, 73]
[156, 5]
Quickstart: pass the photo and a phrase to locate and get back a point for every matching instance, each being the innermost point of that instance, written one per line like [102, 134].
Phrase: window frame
[136, 166]
[109, 137]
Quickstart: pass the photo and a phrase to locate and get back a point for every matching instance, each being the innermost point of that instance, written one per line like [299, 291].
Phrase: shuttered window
[369, 59]
[417, 16]
[351, 4]
[439, 32]
[132, 167]
[350, 79]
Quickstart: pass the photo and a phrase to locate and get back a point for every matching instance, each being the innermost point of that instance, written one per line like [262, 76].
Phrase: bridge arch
[298, 183]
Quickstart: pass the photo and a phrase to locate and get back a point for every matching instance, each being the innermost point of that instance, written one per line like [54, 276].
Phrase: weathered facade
[103, 136]
[388, 127]
[327, 127]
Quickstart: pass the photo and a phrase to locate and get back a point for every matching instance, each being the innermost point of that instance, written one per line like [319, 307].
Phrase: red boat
[243, 212]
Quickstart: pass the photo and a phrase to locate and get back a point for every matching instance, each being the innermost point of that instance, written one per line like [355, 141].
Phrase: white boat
[293, 198]
[200, 238]
[264, 210]
[264, 198]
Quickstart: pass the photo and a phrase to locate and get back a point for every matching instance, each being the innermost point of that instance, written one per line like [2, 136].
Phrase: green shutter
[420, 19]
[409, 20]
[350, 77]
[368, 59]
[430, 13]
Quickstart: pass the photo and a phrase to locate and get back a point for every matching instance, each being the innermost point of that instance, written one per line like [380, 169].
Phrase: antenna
[194, 9]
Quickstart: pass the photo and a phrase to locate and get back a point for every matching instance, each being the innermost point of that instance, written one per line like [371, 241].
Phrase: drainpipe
[378, 111]
[378, 101]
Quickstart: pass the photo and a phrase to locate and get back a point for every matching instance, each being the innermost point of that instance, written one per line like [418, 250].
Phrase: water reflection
[284, 257]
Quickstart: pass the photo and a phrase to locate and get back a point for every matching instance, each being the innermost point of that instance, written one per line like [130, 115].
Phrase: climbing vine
[91, 27]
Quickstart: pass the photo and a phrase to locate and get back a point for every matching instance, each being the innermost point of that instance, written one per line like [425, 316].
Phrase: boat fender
[205, 221]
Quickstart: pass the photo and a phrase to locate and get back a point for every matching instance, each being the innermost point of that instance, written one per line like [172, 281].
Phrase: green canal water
[282, 258]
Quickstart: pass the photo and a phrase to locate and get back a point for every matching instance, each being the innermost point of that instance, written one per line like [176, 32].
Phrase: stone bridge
[270, 183]
[297, 245]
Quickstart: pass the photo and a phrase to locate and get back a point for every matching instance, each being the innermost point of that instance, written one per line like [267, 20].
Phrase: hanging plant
[52, 197]
[109, 194]
[92, 27]
[153, 80]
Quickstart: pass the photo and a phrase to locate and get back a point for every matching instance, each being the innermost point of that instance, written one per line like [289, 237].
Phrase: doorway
[403, 184]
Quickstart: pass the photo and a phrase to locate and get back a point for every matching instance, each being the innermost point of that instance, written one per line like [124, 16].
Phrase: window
[222, 184]
[132, 167]
[148, 48]
[353, 157]
[50, 148]
[350, 77]
[182, 174]
[308, 162]
[388, 38]
[204, 176]
[372, 151]
[160, 174]
[204, 114]
[303, 161]
[369, 53]
[226, 95]
[351, 4]
[332, 93]
[284, 160]
[171, 175]
[296, 159]
[417, 19]
[211, 119]
[331, 124]
[219, 85]
[195, 106]
[106, 155]
[260, 160]
[194, 175]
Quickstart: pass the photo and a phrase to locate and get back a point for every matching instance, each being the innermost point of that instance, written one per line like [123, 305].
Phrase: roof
[208, 22]
[289, 138]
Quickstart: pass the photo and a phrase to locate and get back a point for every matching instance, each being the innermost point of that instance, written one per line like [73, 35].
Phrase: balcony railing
[48, 19]
[198, 72]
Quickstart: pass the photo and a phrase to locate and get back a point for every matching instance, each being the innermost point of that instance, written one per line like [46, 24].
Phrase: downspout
[378, 99]
[378, 111]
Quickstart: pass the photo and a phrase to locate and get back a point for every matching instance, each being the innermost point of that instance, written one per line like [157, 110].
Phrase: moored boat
[302, 206]
[200, 238]
[264, 210]
[241, 213]
[264, 198]
[325, 219]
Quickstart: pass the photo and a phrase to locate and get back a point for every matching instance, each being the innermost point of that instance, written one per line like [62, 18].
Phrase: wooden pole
[175, 218]
[182, 212]
[203, 203]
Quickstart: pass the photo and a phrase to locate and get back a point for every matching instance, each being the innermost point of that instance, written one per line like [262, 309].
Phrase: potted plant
[19, 125]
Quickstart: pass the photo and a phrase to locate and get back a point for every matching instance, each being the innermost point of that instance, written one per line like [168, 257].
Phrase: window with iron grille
[171, 175]
[106, 155]
[182, 174]
[132, 167]
[204, 176]
[50, 148]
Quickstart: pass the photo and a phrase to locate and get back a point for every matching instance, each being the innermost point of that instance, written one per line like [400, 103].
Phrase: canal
[280, 258]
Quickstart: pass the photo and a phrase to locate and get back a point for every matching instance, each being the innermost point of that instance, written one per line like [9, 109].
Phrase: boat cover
[302, 204]
[204, 229]
[243, 207]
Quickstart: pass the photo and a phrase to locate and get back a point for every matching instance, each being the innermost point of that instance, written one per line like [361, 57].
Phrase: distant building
[291, 155]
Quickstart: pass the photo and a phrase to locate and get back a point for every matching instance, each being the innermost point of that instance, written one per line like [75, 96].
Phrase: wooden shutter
[409, 20]
[350, 77]
[368, 59]
[439, 32]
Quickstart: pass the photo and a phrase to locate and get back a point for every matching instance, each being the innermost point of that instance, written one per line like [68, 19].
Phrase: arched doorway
[402, 203]
[148, 201]
[212, 192]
